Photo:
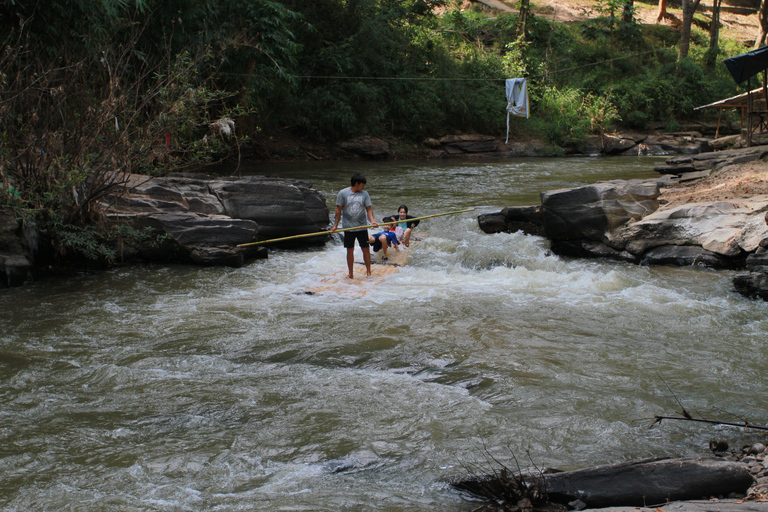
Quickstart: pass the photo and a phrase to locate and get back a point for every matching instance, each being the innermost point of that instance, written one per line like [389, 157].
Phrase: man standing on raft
[353, 205]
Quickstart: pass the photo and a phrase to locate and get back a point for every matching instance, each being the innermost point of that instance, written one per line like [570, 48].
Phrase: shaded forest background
[93, 89]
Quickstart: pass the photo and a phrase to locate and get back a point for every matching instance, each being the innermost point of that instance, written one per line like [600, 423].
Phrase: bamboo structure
[326, 233]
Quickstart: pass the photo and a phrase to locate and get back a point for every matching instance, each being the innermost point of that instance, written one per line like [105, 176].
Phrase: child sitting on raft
[384, 239]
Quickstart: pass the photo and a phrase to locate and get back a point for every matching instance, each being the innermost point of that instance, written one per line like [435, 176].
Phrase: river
[179, 388]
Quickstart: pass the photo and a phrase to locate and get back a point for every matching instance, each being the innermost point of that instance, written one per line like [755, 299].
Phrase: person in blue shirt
[385, 239]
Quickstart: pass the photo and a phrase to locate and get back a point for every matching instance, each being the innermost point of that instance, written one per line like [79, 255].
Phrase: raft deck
[339, 284]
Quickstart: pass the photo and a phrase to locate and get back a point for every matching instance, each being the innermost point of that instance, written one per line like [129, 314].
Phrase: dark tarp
[745, 66]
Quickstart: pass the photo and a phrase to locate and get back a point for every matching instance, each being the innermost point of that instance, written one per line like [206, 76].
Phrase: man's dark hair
[357, 178]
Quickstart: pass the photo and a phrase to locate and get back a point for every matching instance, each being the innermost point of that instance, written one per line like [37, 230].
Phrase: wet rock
[15, 253]
[589, 212]
[371, 147]
[717, 160]
[727, 228]
[203, 220]
[684, 256]
[528, 219]
[753, 285]
[280, 207]
[457, 144]
[16, 270]
[614, 145]
[590, 249]
[363, 459]
[758, 260]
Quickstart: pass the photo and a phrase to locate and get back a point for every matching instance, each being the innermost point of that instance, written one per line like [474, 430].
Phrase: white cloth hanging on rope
[517, 100]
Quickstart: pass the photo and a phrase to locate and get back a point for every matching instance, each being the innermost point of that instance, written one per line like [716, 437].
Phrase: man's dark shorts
[361, 237]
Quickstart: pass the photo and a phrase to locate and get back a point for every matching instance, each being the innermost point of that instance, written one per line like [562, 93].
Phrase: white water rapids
[178, 388]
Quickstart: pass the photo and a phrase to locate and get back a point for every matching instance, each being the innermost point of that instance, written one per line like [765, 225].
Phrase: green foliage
[76, 123]
[92, 90]
[569, 115]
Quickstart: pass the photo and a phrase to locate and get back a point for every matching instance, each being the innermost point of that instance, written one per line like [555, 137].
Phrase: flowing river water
[179, 388]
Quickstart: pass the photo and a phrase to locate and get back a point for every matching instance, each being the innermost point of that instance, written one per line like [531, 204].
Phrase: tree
[714, 32]
[522, 27]
[664, 15]
[689, 9]
[628, 12]
[763, 19]
[662, 11]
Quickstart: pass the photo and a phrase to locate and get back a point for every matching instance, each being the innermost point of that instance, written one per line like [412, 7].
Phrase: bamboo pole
[320, 233]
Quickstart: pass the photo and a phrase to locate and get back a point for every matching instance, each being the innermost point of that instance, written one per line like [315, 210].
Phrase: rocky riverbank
[185, 219]
[725, 480]
[707, 209]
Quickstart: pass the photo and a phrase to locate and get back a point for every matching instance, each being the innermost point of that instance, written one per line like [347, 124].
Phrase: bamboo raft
[339, 284]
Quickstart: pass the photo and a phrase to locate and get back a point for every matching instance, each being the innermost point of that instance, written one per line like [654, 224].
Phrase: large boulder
[591, 211]
[752, 284]
[371, 147]
[727, 228]
[458, 144]
[203, 220]
[527, 219]
[280, 207]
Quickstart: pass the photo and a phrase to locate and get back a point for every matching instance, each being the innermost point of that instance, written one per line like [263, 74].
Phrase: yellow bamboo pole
[320, 233]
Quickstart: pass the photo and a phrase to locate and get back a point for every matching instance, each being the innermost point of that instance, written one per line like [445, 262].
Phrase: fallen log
[649, 482]
[641, 483]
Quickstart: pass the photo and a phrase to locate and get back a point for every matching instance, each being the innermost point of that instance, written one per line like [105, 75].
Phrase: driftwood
[649, 482]
[635, 484]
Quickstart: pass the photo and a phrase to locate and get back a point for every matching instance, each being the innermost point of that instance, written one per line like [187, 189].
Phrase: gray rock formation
[590, 212]
[711, 161]
[371, 147]
[730, 229]
[528, 219]
[477, 145]
[192, 220]
[15, 254]
[203, 220]
[623, 221]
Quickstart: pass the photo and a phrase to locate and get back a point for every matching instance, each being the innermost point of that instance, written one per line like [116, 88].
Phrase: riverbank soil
[741, 25]
[732, 182]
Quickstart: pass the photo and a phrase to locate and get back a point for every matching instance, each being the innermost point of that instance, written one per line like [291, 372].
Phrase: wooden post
[749, 119]
[719, 116]
[765, 96]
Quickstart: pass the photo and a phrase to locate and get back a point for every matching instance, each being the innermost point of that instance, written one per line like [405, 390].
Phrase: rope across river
[325, 233]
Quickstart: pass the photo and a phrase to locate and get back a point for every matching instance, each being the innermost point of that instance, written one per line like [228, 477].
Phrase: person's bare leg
[367, 259]
[351, 262]
[407, 237]
[384, 244]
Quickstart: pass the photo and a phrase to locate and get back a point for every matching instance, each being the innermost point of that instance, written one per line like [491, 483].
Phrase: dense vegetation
[93, 89]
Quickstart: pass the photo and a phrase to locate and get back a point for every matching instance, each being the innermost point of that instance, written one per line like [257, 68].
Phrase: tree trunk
[662, 11]
[522, 25]
[689, 9]
[763, 19]
[626, 15]
[714, 29]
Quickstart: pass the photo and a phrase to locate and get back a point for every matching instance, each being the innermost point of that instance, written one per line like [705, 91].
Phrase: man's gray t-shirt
[353, 207]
